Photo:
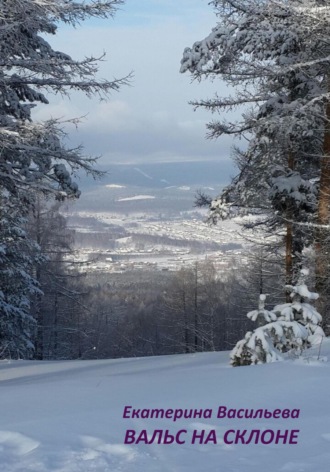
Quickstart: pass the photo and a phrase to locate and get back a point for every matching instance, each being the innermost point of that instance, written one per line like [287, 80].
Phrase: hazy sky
[151, 120]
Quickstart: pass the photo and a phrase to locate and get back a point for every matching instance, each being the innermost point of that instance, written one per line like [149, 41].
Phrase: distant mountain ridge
[161, 175]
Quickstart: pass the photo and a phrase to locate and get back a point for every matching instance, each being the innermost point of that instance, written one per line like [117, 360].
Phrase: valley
[150, 225]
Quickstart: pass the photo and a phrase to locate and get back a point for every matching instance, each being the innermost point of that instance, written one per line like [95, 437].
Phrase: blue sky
[143, 12]
[150, 121]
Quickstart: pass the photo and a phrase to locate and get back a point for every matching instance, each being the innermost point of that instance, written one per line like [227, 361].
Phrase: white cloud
[112, 116]
[150, 119]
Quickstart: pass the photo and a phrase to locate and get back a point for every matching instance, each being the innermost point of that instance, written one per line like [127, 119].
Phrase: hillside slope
[68, 416]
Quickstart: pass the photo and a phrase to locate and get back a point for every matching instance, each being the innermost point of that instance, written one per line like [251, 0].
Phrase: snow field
[68, 416]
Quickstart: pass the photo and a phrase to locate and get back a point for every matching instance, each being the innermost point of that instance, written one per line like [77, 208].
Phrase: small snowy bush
[289, 327]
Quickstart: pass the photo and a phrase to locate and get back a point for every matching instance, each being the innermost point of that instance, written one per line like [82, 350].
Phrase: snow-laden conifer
[33, 156]
[276, 56]
[287, 328]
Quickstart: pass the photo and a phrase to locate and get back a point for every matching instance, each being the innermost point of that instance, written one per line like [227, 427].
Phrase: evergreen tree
[276, 55]
[33, 157]
[17, 284]
[289, 327]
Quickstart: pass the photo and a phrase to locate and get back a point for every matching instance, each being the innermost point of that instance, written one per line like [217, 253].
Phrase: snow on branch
[287, 328]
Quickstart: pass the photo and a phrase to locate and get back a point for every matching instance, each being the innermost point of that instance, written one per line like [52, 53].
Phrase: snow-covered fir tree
[16, 282]
[289, 327]
[33, 158]
[276, 56]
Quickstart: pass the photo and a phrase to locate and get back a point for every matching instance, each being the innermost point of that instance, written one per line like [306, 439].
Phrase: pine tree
[289, 327]
[276, 55]
[17, 284]
[33, 158]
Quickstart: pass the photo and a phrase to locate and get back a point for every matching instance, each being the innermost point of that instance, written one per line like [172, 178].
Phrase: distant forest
[87, 314]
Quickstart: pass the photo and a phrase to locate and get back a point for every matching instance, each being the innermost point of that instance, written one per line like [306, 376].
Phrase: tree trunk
[39, 312]
[196, 309]
[186, 327]
[322, 236]
[289, 238]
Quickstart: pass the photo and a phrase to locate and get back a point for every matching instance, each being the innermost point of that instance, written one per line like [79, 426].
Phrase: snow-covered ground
[168, 244]
[68, 416]
[136, 197]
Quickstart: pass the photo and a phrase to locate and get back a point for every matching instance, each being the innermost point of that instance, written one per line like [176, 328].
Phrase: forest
[275, 57]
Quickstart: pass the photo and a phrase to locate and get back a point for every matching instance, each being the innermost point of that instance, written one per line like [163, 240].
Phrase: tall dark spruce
[33, 158]
[276, 57]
